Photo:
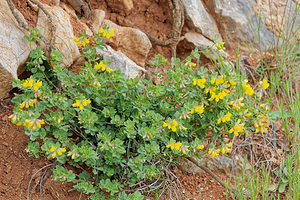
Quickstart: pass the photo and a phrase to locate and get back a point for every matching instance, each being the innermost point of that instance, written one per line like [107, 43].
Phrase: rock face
[200, 20]
[120, 61]
[131, 41]
[193, 40]
[239, 25]
[98, 16]
[279, 16]
[64, 33]
[13, 47]
[120, 5]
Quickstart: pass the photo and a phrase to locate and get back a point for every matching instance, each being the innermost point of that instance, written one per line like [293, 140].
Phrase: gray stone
[64, 33]
[120, 61]
[193, 40]
[13, 47]
[239, 25]
[200, 20]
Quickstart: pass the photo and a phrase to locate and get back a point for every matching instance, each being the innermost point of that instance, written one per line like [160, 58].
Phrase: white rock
[13, 47]
[131, 41]
[240, 26]
[200, 20]
[120, 61]
[64, 33]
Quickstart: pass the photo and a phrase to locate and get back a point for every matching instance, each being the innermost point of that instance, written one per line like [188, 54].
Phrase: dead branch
[24, 25]
[52, 21]
[177, 9]
[81, 7]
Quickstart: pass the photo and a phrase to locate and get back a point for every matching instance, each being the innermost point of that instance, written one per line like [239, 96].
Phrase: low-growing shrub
[121, 132]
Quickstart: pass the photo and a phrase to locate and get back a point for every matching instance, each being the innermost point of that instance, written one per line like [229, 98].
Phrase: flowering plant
[124, 131]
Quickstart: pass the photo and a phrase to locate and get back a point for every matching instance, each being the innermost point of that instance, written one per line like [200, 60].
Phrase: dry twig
[176, 7]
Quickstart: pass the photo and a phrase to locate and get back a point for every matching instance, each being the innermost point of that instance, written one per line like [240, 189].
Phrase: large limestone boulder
[281, 17]
[13, 47]
[131, 41]
[200, 20]
[120, 61]
[98, 17]
[64, 33]
[239, 25]
[120, 5]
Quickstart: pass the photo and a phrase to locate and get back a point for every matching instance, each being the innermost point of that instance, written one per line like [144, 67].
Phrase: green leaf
[281, 188]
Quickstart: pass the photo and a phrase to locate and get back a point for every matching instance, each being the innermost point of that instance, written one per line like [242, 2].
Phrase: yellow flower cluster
[172, 125]
[72, 154]
[198, 109]
[27, 103]
[107, 33]
[60, 119]
[238, 128]
[264, 83]
[214, 152]
[248, 89]
[237, 104]
[81, 41]
[213, 96]
[225, 118]
[226, 148]
[190, 64]
[96, 82]
[33, 123]
[261, 124]
[219, 45]
[30, 84]
[199, 82]
[179, 147]
[81, 103]
[15, 117]
[57, 151]
[265, 106]
[103, 67]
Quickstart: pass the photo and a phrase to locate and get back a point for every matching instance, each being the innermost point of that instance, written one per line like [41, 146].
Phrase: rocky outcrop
[98, 16]
[200, 20]
[13, 47]
[131, 41]
[239, 25]
[280, 16]
[192, 40]
[120, 5]
[64, 33]
[120, 61]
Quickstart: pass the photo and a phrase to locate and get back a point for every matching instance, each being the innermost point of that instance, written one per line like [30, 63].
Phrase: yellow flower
[201, 82]
[220, 80]
[72, 154]
[238, 128]
[199, 109]
[57, 151]
[248, 89]
[28, 83]
[199, 147]
[60, 119]
[214, 153]
[81, 103]
[212, 81]
[109, 70]
[14, 117]
[184, 149]
[37, 85]
[178, 145]
[219, 45]
[107, 34]
[229, 144]
[171, 145]
[265, 84]
[190, 64]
